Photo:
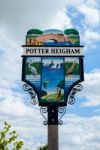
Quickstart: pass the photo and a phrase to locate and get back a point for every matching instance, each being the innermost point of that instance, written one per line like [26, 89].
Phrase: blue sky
[81, 128]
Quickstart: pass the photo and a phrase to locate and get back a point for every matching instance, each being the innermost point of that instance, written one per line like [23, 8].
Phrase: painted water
[34, 80]
[70, 79]
[53, 76]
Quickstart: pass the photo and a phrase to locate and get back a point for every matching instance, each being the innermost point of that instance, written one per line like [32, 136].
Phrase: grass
[52, 97]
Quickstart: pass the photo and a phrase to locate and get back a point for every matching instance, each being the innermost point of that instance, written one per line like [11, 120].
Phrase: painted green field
[52, 98]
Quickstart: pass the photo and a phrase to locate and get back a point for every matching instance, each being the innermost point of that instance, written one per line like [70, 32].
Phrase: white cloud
[78, 3]
[74, 3]
[10, 59]
[14, 106]
[18, 18]
[60, 20]
[91, 88]
[91, 15]
[80, 133]
[88, 8]
[77, 132]
[91, 35]
[93, 3]
[24, 117]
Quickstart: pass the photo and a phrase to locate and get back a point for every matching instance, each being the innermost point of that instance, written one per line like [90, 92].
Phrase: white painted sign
[52, 51]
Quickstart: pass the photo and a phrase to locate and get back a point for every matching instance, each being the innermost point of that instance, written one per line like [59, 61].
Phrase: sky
[81, 123]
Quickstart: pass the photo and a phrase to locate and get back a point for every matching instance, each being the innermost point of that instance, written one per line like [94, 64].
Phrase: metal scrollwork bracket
[34, 99]
[71, 98]
[61, 111]
[44, 111]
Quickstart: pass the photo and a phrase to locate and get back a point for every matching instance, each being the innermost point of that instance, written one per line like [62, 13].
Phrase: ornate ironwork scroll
[62, 111]
[34, 99]
[43, 111]
[77, 88]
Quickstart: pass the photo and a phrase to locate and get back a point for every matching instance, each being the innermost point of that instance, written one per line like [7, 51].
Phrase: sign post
[52, 68]
[53, 137]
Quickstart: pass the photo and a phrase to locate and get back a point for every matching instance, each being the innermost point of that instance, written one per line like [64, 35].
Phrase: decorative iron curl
[77, 88]
[62, 111]
[32, 93]
[43, 111]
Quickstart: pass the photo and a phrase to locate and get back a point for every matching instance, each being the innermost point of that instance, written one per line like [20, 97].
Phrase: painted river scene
[52, 76]
[53, 79]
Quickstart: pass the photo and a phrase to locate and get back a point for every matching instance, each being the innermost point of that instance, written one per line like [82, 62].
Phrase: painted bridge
[55, 37]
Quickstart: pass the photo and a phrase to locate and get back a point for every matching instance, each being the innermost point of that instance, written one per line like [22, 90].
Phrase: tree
[8, 139]
[34, 31]
[71, 31]
[61, 84]
[43, 148]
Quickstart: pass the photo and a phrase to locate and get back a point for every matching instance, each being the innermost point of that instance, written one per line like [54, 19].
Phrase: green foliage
[8, 139]
[35, 31]
[75, 69]
[43, 93]
[71, 31]
[36, 65]
[43, 148]
[61, 84]
[74, 36]
[52, 98]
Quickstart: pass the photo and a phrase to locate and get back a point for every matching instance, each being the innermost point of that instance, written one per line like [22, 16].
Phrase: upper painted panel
[53, 37]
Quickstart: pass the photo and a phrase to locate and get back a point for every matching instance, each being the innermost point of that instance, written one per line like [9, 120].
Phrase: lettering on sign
[51, 51]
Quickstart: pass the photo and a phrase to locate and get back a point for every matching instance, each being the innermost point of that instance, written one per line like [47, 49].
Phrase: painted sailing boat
[55, 66]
